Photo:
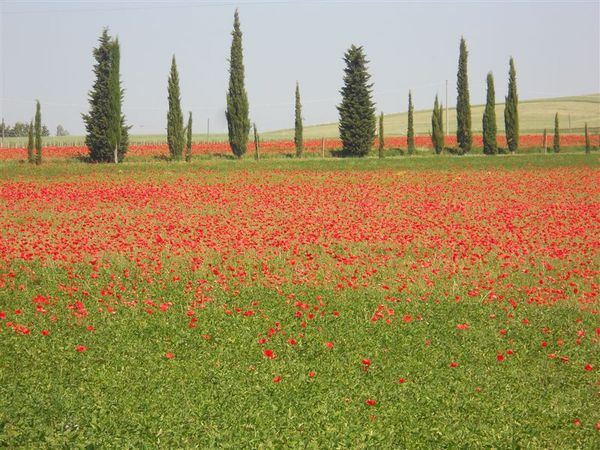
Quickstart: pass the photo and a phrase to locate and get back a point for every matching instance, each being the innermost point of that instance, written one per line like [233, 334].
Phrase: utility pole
[207, 129]
[447, 108]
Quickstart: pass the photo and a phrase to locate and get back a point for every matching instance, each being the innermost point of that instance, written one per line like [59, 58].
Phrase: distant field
[535, 115]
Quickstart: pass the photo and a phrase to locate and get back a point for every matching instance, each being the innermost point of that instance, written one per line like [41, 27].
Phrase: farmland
[535, 116]
[407, 302]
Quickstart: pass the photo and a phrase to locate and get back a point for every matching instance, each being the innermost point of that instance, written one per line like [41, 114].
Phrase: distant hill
[534, 116]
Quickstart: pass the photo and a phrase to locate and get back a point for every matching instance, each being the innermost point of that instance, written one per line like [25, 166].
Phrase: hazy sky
[46, 53]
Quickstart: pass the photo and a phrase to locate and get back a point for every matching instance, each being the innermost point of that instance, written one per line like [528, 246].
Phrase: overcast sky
[46, 53]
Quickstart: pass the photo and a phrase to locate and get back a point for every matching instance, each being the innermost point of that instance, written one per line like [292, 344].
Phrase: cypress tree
[298, 129]
[556, 135]
[175, 133]
[545, 140]
[101, 121]
[188, 144]
[30, 157]
[511, 111]
[38, 133]
[381, 136]
[437, 127]
[114, 105]
[357, 110]
[256, 143]
[410, 133]
[464, 137]
[237, 113]
[490, 146]
[588, 147]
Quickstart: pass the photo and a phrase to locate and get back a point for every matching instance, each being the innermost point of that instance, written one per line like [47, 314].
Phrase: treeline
[107, 133]
[20, 129]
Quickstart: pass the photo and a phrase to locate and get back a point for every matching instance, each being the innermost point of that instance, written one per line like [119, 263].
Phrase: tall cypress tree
[114, 105]
[100, 121]
[238, 118]
[38, 133]
[464, 137]
[410, 133]
[556, 145]
[437, 127]
[188, 144]
[588, 147]
[381, 136]
[256, 143]
[511, 110]
[298, 129]
[357, 110]
[30, 157]
[490, 146]
[175, 134]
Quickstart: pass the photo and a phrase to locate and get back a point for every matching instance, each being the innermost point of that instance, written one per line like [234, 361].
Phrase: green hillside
[535, 115]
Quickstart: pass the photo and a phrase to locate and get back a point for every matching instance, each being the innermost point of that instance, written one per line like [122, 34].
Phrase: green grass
[134, 167]
[535, 115]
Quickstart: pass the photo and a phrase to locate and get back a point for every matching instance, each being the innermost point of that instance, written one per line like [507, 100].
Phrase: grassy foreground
[420, 302]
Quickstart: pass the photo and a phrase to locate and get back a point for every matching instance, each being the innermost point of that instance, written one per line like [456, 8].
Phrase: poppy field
[291, 305]
[528, 143]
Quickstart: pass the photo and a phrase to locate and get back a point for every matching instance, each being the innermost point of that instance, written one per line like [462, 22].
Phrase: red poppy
[269, 354]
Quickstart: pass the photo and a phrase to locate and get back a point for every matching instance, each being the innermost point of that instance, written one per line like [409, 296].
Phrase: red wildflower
[169, 355]
[329, 345]
[277, 379]
[269, 354]
[371, 402]
[81, 348]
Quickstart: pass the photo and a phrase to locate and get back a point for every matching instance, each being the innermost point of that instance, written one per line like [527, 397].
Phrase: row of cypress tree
[107, 133]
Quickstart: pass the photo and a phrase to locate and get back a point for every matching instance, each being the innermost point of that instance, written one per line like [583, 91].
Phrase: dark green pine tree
[437, 127]
[38, 133]
[588, 147]
[357, 110]
[464, 137]
[237, 114]
[511, 110]
[490, 145]
[556, 145]
[188, 144]
[175, 133]
[381, 136]
[99, 121]
[298, 129]
[410, 133]
[30, 157]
